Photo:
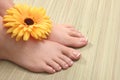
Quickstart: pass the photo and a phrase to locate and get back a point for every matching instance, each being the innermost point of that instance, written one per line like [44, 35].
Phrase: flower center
[29, 21]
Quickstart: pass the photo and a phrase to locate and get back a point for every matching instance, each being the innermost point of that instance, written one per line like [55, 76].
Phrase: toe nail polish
[54, 70]
[59, 68]
[76, 54]
[66, 65]
[86, 39]
[83, 39]
[71, 62]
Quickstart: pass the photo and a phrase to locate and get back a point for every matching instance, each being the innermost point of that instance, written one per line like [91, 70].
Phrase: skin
[49, 55]
[68, 36]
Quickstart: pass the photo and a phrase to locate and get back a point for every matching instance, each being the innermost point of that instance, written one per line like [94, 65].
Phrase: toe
[48, 69]
[62, 63]
[71, 53]
[77, 42]
[42, 67]
[54, 65]
[66, 60]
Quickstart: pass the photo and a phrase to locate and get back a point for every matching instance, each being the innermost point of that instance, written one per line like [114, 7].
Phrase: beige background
[99, 20]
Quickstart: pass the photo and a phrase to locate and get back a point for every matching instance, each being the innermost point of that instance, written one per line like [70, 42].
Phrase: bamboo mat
[99, 21]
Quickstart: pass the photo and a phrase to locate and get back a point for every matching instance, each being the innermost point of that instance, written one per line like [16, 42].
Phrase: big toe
[41, 68]
[77, 42]
[48, 69]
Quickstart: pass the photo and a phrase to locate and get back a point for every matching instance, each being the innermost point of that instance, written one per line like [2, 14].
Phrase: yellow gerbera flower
[24, 22]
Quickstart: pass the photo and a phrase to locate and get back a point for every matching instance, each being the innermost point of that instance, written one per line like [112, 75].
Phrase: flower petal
[26, 36]
[34, 35]
[10, 30]
[20, 34]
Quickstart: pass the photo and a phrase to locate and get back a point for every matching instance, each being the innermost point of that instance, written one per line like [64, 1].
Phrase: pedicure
[66, 66]
[53, 70]
[71, 62]
[83, 39]
[59, 68]
[86, 38]
[76, 54]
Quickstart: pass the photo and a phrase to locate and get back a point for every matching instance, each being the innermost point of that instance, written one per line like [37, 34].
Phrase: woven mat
[99, 21]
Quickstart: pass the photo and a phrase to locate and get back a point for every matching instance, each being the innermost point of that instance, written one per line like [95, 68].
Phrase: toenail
[86, 38]
[66, 66]
[83, 39]
[59, 68]
[71, 62]
[76, 54]
[53, 70]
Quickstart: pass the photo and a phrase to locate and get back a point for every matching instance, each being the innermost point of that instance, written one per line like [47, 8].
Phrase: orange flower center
[29, 21]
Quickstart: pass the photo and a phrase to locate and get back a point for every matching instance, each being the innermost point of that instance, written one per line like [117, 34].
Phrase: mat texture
[99, 21]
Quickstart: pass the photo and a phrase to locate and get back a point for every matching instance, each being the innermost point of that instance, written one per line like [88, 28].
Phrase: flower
[24, 21]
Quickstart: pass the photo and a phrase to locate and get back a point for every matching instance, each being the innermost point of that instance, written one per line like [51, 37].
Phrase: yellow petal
[44, 36]
[25, 28]
[10, 30]
[42, 11]
[26, 36]
[20, 34]
[7, 16]
[13, 35]
[32, 12]
[11, 11]
[34, 35]
[9, 19]
[16, 30]
[9, 24]
[29, 29]
[37, 31]
[18, 38]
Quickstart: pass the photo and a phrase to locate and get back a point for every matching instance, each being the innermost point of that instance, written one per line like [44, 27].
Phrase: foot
[63, 34]
[44, 56]
[68, 36]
